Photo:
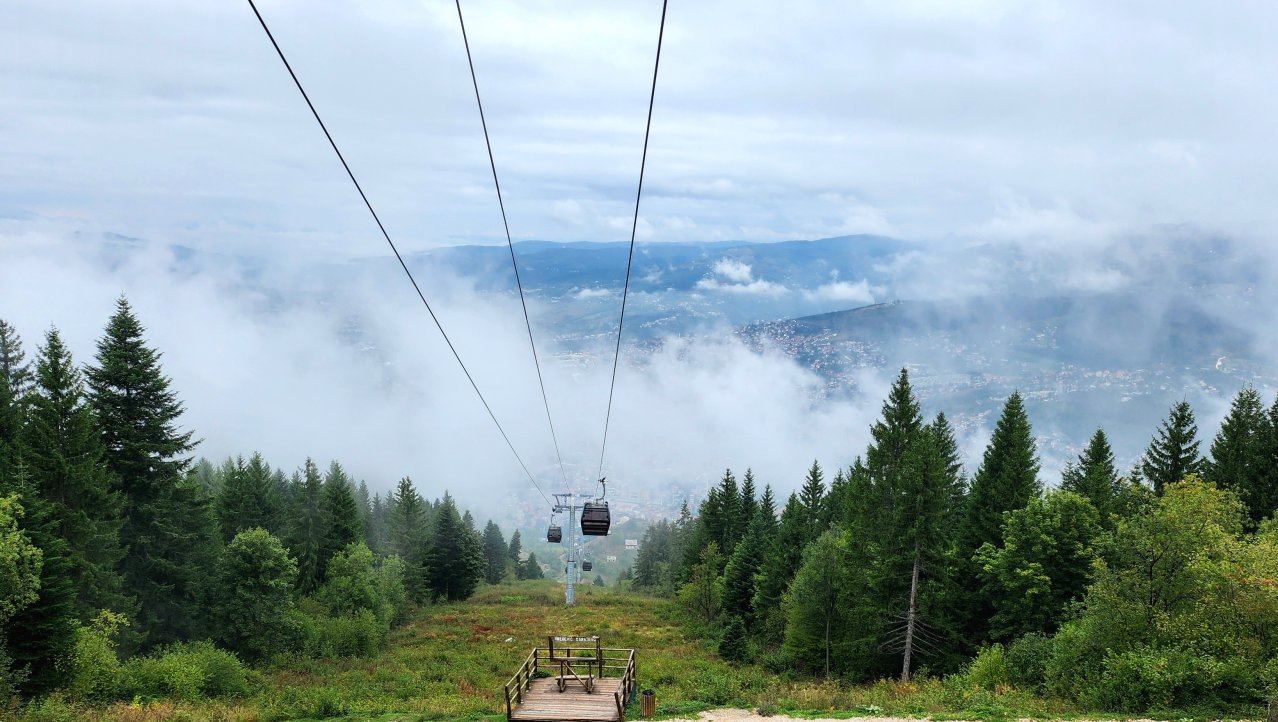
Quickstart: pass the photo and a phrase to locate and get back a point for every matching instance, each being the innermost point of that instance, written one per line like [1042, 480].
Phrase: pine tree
[375, 525]
[137, 415]
[749, 504]
[1264, 496]
[495, 553]
[1239, 455]
[406, 535]
[63, 456]
[1093, 476]
[340, 514]
[739, 574]
[15, 381]
[455, 557]
[531, 569]
[246, 499]
[767, 513]
[733, 646]
[514, 551]
[1173, 454]
[812, 501]
[306, 535]
[723, 515]
[780, 562]
[1006, 481]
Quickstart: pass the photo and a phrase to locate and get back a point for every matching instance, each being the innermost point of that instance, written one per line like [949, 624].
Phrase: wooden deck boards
[543, 702]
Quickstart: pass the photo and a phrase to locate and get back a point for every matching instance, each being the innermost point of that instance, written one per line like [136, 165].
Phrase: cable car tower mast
[565, 503]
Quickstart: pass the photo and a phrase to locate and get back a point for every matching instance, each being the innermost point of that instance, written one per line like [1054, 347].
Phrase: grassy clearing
[451, 660]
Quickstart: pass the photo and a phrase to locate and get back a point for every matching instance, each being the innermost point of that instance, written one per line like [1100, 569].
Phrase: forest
[131, 572]
[1156, 589]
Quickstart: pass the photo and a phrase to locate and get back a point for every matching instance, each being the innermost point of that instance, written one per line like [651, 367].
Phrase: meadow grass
[450, 661]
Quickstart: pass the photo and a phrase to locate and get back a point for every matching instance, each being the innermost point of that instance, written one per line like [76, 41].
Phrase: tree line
[118, 552]
[1127, 591]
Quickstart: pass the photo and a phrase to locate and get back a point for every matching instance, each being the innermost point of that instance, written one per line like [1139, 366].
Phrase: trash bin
[648, 704]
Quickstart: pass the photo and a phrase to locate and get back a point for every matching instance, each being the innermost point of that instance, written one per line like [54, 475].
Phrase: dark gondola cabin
[587, 566]
[554, 535]
[595, 518]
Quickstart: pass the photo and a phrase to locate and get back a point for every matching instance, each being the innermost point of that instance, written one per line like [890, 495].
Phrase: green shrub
[95, 670]
[359, 635]
[191, 671]
[53, 708]
[1027, 660]
[988, 670]
[1146, 679]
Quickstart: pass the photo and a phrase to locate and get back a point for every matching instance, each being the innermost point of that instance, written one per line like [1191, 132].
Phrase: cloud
[859, 292]
[738, 277]
[588, 293]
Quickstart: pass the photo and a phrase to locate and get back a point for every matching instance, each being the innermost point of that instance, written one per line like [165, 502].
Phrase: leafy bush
[360, 635]
[95, 669]
[1027, 660]
[988, 670]
[190, 671]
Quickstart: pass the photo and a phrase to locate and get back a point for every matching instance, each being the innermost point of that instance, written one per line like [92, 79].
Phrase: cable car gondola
[555, 534]
[595, 519]
[587, 566]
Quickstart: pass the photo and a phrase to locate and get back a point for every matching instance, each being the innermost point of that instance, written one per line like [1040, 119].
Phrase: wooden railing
[614, 663]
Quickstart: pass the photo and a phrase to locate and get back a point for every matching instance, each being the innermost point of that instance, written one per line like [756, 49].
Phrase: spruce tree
[63, 456]
[306, 535]
[1239, 455]
[246, 499]
[812, 501]
[340, 514]
[739, 574]
[781, 560]
[749, 504]
[455, 557]
[531, 568]
[1264, 496]
[138, 414]
[15, 381]
[767, 513]
[515, 550]
[1093, 476]
[726, 527]
[1006, 480]
[406, 535]
[495, 553]
[1173, 453]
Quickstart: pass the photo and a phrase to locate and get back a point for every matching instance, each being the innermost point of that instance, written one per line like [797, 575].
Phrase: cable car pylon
[595, 521]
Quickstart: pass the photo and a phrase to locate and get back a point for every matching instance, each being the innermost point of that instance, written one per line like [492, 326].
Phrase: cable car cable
[518, 283]
[603, 447]
[395, 250]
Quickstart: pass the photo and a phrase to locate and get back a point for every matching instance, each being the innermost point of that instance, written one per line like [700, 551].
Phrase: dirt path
[747, 715]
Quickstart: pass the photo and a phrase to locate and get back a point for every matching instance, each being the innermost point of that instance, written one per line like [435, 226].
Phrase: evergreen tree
[63, 458]
[1239, 455]
[15, 381]
[1263, 501]
[255, 599]
[364, 502]
[1006, 480]
[681, 537]
[514, 552]
[340, 514]
[1093, 477]
[780, 562]
[306, 536]
[653, 556]
[375, 525]
[749, 504]
[137, 415]
[530, 568]
[812, 501]
[733, 646]
[455, 557]
[406, 535]
[1173, 454]
[767, 511]
[739, 574]
[246, 499]
[496, 553]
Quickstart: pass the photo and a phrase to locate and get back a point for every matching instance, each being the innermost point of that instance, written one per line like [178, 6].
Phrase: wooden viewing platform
[572, 684]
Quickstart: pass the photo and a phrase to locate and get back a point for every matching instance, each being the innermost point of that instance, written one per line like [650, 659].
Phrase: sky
[1062, 127]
